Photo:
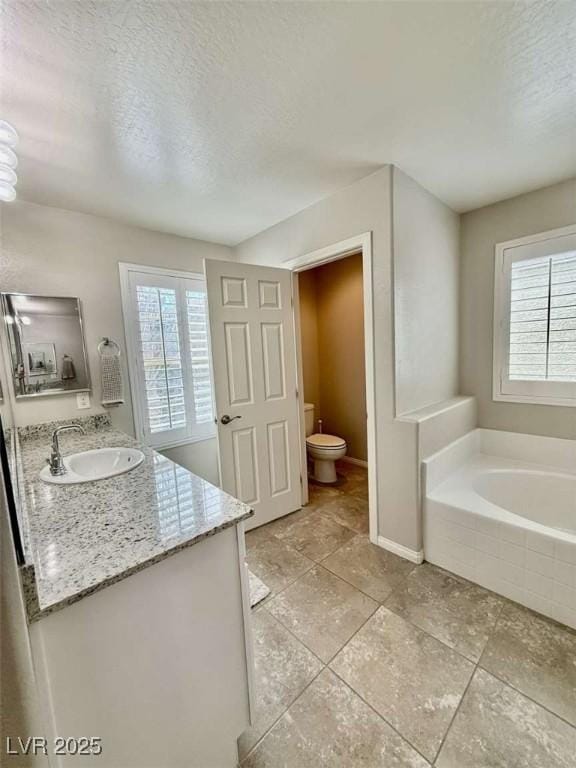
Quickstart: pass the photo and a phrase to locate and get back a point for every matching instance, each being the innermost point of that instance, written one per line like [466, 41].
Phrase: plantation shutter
[170, 370]
[543, 319]
[197, 316]
[161, 359]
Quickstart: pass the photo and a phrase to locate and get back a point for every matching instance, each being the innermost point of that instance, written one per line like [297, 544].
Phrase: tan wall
[547, 208]
[341, 352]
[309, 338]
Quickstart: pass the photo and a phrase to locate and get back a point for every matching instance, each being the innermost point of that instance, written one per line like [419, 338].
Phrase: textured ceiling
[216, 120]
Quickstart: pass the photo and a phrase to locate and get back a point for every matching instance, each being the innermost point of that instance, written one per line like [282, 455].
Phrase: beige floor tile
[349, 511]
[535, 656]
[414, 681]
[322, 611]
[497, 727]
[453, 610]
[368, 567]
[330, 727]
[322, 494]
[313, 534]
[256, 535]
[282, 523]
[355, 480]
[284, 667]
[277, 563]
[258, 590]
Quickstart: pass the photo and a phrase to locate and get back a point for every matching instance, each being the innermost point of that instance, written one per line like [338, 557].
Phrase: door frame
[358, 244]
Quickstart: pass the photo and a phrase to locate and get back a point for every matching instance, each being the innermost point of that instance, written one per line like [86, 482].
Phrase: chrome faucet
[56, 462]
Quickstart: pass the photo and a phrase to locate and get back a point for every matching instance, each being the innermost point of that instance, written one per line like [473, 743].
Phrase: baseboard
[358, 462]
[415, 556]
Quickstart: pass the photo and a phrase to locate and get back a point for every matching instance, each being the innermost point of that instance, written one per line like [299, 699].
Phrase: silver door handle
[227, 419]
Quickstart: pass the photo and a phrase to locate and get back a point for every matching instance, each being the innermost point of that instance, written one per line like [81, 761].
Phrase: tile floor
[363, 659]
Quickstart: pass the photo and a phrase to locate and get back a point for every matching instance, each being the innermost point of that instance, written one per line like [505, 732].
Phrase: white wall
[201, 458]
[529, 214]
[426, 266]
[52, 251]
[365, 206]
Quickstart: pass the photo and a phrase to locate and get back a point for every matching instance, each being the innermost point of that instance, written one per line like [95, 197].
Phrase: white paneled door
[254, 364]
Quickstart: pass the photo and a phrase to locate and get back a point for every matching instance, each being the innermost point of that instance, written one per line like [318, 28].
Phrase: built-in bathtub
[500, 510]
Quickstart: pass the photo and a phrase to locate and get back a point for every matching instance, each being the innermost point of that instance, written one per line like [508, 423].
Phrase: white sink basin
[95, 465]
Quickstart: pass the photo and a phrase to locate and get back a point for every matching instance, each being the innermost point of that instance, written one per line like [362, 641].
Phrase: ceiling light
[8, 162]
[7, 175]
[7, 192]
[8, 135]
[8, 157]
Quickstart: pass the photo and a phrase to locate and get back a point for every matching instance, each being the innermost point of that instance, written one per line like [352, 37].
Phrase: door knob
[227, 419]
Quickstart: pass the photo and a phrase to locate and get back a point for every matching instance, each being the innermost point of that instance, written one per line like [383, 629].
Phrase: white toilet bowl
[324, 450]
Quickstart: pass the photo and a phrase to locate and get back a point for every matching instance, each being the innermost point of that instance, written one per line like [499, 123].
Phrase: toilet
[323, 449]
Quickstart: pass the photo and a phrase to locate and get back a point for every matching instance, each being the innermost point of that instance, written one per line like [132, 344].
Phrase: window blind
[543, 319]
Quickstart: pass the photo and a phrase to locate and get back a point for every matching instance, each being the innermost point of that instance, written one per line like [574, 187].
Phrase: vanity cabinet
[157, 665]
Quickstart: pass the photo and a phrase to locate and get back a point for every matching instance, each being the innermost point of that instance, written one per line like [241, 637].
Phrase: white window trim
[131, 335]
[501, 319]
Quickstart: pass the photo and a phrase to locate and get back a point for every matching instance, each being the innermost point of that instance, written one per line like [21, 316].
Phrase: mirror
[47, 349]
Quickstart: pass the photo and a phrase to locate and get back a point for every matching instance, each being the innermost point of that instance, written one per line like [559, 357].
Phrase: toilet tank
[309, 418]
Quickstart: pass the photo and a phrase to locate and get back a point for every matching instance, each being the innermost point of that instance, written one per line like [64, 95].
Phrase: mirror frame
[11, 336]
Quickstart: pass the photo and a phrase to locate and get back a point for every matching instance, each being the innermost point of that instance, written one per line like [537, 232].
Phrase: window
[168, 354]
[535, 319]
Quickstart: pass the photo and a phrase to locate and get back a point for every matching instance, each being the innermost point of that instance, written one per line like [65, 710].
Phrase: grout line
[453, 718]
[349, 583]
[352, 636]
[381, 717]
[261, 739]
[526, 696]
[300, 641]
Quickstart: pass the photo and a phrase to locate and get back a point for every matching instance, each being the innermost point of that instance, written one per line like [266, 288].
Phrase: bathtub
[500, 510]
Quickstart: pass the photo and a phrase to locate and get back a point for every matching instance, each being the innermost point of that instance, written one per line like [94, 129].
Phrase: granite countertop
[81, 538]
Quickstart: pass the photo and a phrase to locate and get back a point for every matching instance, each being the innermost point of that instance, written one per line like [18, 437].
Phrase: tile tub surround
[522, 560]
[509, 716]
[84, 537]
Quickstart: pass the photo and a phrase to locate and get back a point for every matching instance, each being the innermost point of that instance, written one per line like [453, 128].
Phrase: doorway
[331, 307]
[342, 380]
[258, 380]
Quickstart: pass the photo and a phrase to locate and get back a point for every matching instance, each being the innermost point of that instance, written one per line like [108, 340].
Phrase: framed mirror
[46, 341]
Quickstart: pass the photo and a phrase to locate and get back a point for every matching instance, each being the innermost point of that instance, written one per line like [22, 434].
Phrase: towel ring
[109, 347]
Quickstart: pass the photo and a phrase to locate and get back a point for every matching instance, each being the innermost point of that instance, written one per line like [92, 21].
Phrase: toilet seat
[326, 442]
